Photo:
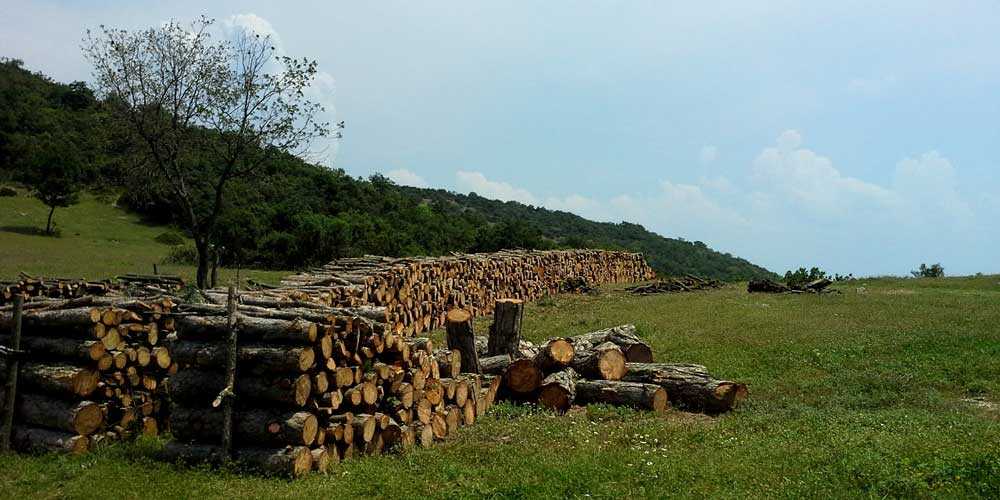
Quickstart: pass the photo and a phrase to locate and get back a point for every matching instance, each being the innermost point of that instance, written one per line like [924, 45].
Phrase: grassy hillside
[97, 240]
[887, 390]
[669, 256]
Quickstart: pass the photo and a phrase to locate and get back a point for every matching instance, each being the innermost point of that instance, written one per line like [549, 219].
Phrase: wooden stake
[505, 333]
[12, 366]
[227, 420]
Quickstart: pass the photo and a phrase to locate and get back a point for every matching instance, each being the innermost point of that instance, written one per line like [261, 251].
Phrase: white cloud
[789, 140]
[478, 183]
[708, 155]
[406, 177]
[930, 182]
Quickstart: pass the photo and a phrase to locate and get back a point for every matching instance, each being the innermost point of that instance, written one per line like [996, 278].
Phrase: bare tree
[202, 111]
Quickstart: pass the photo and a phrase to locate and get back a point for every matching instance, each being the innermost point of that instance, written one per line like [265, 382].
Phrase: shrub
[933, 271]
[182, 254]
[7, 191]
[801, 276]
[172, 238]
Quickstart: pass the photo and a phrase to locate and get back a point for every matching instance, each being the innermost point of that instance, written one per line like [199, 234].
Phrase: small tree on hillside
[55, 176]
[203, 111]
[925, 271]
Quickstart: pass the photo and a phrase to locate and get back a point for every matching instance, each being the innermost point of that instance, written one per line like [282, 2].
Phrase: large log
[558, 390]
[462, 339]
[505, 332]
[289, 461]
[256, 427]
[266, 330]
[624, 336]
[495, 365]
[522, 377]
[37, 440]
[257, 359]
[555, 354]
[198, 388]
[78, 417]
[56, 379]
[633, 394]
[55, 321]
[63, 349]
[602, 362]
[691, 387]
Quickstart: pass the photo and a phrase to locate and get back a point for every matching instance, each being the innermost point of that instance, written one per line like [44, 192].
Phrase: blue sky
[861, 139]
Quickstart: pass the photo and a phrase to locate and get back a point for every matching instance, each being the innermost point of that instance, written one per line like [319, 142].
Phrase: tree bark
[462, 338]
[48, 225]
[257, 359]
[56, 379]
[288, 462]
[266, 330]
[197, 388]
[85, 351]
[554, 355]
[78, 417]
[505, 333]
[201, 245]
[37, 440]
[495, 365]
[634, 349]
[691, 387]
[633, 394]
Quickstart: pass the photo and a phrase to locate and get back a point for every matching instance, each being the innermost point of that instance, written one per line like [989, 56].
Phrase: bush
[801, 276]
[182, 254]
[934, 271]
[172, 238]
[6, 192]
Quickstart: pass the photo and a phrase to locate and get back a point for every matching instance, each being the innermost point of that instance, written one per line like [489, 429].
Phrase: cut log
[59, 348]
[554, 355]
[256, 359]
[522, 377]
[505, 332]
[495, 365]
[77, 417]
[56, 379]
[624, 336]
[691, 387]
[36, 440]
[321, 459]
[450, 362]
[602, 362]
[198, 388]
[266, 330]
[258, 427]
[462, 339]
[558, 390]
[633, 394]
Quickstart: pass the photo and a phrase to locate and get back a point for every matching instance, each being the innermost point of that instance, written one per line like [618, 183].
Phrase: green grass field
[889, 389]
[97, 240]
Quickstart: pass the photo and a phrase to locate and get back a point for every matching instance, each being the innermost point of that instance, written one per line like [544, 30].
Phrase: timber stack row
[418, 292]
[91, 370]
[44, 288]
[313, 385]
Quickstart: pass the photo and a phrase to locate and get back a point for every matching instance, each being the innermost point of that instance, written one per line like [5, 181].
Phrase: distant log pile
[313, 385]
[417, 293]
[770, 286]
[687, 283]
[91, 371]
[34, 288]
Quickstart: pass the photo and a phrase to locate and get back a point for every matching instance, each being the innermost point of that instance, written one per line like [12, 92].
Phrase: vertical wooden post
[505, 333]
[155, 270]
[12, 366]
[227, 409]
[458, 322]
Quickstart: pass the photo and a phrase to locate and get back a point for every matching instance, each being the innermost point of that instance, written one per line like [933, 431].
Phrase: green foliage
[7, 192]
[172, 238]
[925, 271]
[801, 276]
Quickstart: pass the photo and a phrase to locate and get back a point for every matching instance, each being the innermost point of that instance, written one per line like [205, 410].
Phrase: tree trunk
[462, 338]
[78, 417]
[505, 333]
[207, 328]
[634, 349]
[257, 427]
[36, 440]
[691, 387]
[495, 365]
[48, 225]
[522, 377]
[256, 359]
[637, 395]
[56, 379]
[203, 261]
[554, 355]
[198, 388]
[289, 461]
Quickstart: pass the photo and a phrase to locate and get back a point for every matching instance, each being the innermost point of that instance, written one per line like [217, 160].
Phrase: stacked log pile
[313, 385]
[611, 366]
[686, 283]
[418, 292]
[770, 286]
[34, 288]
[91, 370]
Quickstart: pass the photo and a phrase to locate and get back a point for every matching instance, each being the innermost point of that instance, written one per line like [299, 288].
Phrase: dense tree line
[293, 214]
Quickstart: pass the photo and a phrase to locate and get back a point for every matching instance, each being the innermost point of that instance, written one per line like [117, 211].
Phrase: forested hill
[292, 214]
[668, 256]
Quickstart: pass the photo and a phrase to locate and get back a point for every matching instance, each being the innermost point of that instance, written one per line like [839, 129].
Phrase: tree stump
[558, 391]
[505, 333]
[461, 338]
